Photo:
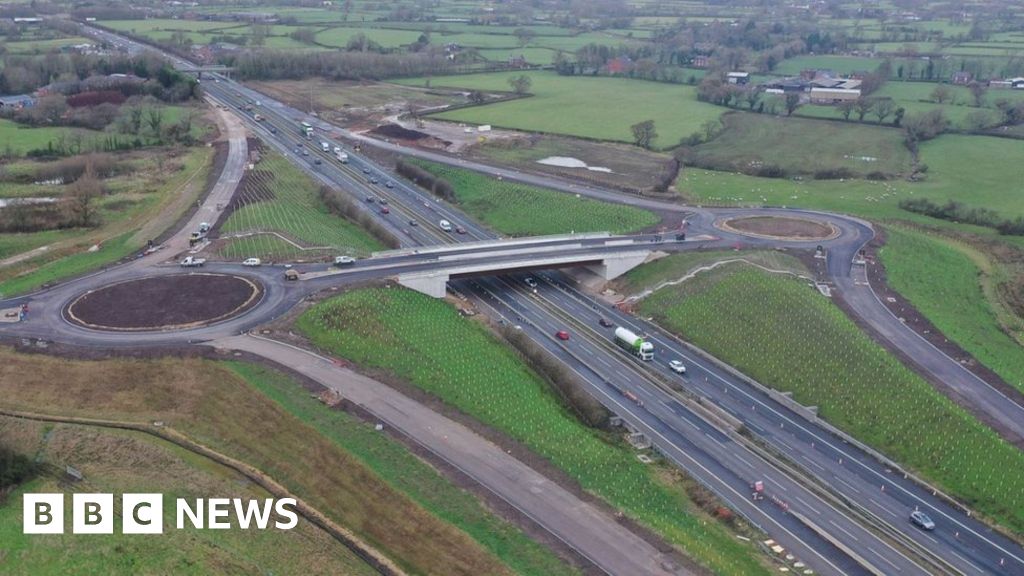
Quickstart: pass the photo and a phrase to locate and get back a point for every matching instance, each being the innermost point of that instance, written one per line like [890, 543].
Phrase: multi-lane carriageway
[831, 489]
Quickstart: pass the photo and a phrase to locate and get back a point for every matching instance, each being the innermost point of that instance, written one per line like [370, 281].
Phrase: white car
[251, 262]
[529, 281]
[344, 260]
[677, 366]
[445, 225]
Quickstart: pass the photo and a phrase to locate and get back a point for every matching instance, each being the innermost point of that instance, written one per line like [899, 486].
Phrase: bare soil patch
[780, 227]
[170, 302]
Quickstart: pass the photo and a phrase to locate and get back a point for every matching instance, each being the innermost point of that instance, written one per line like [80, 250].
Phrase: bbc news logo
[144, 513]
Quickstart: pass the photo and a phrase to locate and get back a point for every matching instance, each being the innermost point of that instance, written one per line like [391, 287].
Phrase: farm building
[700, 61]
[14, 102]
[738, 78]
[962, 77]
[833, 95]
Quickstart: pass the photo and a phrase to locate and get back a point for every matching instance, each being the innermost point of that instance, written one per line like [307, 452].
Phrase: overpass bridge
[605, 255]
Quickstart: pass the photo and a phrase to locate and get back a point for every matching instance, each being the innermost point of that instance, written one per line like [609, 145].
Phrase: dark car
[605, 322]
[366, 170]
[273, 130]
[413, 223]
[460, 230]
[317, 162]
[370, 199]
[390, 184]
[385, 210]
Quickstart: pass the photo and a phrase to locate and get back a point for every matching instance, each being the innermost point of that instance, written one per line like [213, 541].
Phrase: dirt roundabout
[780, 228]
[173, 302]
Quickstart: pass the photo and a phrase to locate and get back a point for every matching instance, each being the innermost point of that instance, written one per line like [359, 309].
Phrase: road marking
[788, 447]
[844, 530]
[966, 561]
[744, 460]
[813, 463]
[603, 361]
[772, 480]
[847, 484]
[886, 560]
[894, 515]
[812, 508]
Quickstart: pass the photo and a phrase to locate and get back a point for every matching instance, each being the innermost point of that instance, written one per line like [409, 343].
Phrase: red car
[562, 335]
[385, 210]
[460, 230]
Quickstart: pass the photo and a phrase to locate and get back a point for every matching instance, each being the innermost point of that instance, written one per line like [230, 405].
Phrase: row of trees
[954, 211]
[293, 65]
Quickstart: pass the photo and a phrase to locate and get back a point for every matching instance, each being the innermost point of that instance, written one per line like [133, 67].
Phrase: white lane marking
[813, 463]
[873, 501]
[884, 559]
[966, 561]
[744, 460]
[772, 480]
[844, 530]
[847, 484]
[788, 447]
[812, 508]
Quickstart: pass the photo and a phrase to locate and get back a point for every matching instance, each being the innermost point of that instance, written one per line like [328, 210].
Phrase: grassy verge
[406, 473]
[467, 367]
[119, 462]
[946, 285]
[795, 340]
[278, 197]
[522, 210]
[212, 405]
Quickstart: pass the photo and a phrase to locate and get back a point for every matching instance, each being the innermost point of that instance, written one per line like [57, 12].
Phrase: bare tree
[846, 108]
[941, 94]
[520, 84]
[977, 93]
[524, 36]
[644, 133]
[884, 107]
[792, 103]
[155, 120]
[863, 105]
[82, 195]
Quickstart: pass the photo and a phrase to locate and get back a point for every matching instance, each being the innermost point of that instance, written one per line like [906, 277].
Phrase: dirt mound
[781, 227]
[396, 132]
[173, 302]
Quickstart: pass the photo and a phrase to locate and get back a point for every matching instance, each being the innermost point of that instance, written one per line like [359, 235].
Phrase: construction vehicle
[634, 344]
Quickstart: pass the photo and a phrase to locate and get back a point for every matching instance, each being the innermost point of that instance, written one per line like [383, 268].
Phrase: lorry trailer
[634, 344]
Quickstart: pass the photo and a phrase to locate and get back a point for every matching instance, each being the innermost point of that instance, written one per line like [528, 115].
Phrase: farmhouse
[700, 61]
[833, 95]
[619, 65]
[738, 78]
[962, 77]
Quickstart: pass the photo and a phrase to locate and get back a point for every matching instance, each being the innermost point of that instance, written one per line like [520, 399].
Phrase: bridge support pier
[432, 284]
[614, 266]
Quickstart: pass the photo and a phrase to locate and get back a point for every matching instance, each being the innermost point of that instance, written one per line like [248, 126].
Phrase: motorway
[825, 491]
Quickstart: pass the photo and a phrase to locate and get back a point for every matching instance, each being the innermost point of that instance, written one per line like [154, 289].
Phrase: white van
[326, 147]
[445, 225]
[251, 262]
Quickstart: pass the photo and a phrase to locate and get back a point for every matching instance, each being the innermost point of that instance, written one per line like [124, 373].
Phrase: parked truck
[634, 344]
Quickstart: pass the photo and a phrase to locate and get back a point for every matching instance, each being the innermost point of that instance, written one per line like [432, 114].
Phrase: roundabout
[774, 227]
[164, 303]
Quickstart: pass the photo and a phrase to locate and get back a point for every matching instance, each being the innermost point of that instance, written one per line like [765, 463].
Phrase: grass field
[522, 210]
[795, 340]
[599, 107]
[464, 365]
[18, 139]
[628, 167]
[193, 396]
[277, 197]
[798, 146]
[118, 462]
[949, 287]
[971, 169]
